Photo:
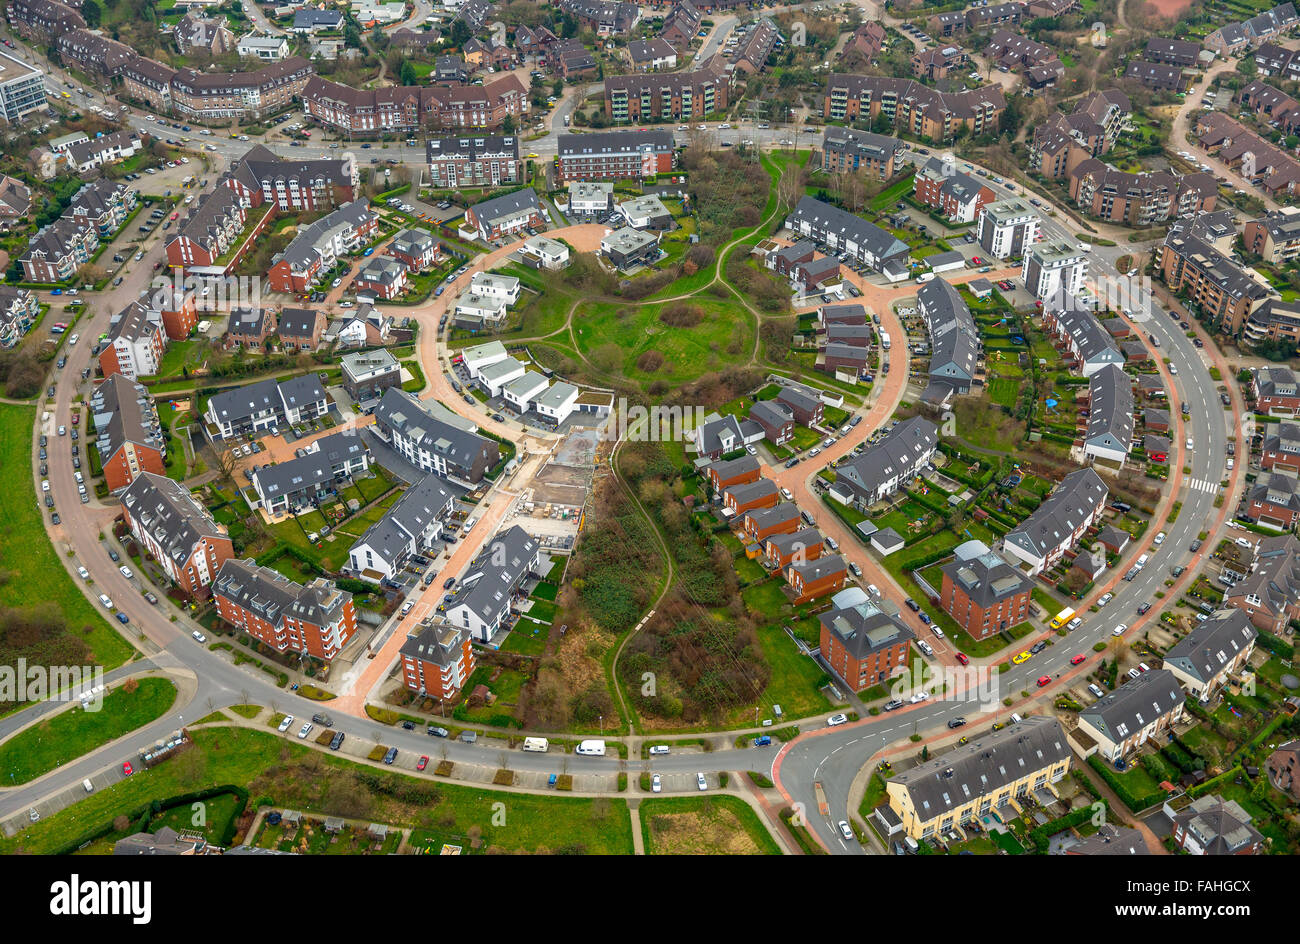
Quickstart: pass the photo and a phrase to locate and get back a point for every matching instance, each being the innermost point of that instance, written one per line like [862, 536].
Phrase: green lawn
[301, 778]
[694, 825]
[33, 575]
[76, 732]
[724, 336]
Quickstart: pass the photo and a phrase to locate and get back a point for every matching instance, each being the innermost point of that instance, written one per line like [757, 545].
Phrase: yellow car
[1021, 657]
[532, 155]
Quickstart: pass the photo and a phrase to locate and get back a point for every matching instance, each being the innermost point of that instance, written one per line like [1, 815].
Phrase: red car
[1077, 659]
[976, 260]
[127, 769]
[963, 658]
[1044, 680]
[423, 763]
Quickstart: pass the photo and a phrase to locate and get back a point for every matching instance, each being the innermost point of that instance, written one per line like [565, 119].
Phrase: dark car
[913, 605]
[449, 583]
[1196, 546]
[122, 618]
[408, 725]
[113, 555]
[55, 519]
[956, 722]
[893, 704]
[323, 720]
[151, 598]
[44, 440]
[336, 741]
[45, 469]
[76, 462]
[1143, 608]
[43, 454]
[469, 399]
[1037, 647]
[390, 756]
[49, 501]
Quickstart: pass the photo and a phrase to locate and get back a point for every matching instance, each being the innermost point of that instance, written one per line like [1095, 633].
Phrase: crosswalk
[1200, 485]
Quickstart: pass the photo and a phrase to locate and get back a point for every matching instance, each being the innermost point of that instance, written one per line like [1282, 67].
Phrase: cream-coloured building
[998, 770]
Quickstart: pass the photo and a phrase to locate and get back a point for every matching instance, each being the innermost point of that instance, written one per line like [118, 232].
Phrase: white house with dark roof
[1110, 415]
[1214, 650]
[491, 583]
[1138, 711]
[1058, 523]
[407, 528]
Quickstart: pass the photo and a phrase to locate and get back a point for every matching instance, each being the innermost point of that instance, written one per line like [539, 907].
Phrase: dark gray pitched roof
[1134, 705]
[1211, 645]
[984, 766]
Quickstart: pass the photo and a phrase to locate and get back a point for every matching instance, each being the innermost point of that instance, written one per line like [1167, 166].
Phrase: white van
[591, 748]
[88, 786]
[469, 525]
[1016, 719]
[1096, 691]
[1142, 561]
[537, 745]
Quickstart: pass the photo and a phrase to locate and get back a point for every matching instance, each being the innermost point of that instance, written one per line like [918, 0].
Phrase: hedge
[1040, 836]
[1214, 782]
[1135, 802]
[142, 815]
[1275, 645]
[1160, 768]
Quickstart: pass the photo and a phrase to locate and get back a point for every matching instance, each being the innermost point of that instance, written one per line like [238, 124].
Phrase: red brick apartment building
[436, 661]
[782, 550]
[127, 432]
[779, 519]
[317, 619]
[863, 645]
[983, 593]
[183, 538]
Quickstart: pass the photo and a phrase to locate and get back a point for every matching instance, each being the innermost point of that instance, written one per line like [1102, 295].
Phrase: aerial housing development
[688, 427]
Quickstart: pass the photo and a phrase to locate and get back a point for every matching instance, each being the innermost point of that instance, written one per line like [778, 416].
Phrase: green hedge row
[142, 815]
[1040, 836]
[1135, 802]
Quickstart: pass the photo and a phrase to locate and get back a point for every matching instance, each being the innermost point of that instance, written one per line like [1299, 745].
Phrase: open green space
[292, 775]
[695, 825]
[33, 577]
[70, 734]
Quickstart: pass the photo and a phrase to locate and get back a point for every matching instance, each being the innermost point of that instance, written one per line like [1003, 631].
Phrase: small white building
[545, 253]
[482, 355]
[490, 285]
[479, 311]
[521, 393]
[266, 48]
[557, 402]
[590, 198]
[494, 377]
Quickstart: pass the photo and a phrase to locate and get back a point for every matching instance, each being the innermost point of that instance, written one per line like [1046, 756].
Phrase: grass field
[703, 825]
[724, 336]
[304, 779]
[32, 573]
[76, 732]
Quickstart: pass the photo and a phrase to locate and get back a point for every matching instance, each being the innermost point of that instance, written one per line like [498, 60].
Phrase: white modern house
[521, 393]
[494, 377]
[557, 402]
